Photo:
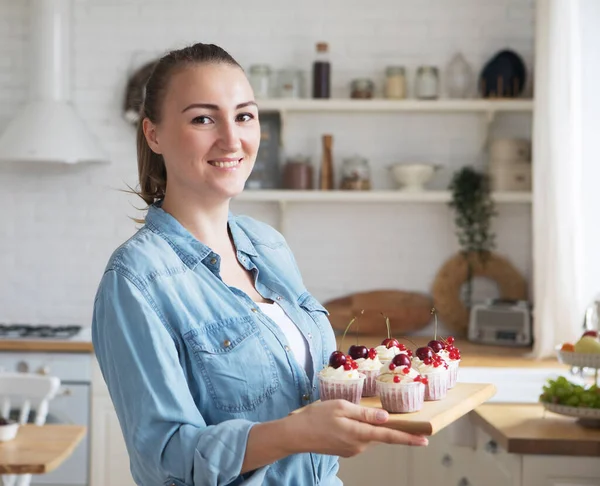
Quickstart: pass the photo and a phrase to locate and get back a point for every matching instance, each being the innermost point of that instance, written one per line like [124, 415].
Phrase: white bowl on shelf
[412, 177]
[8, 431]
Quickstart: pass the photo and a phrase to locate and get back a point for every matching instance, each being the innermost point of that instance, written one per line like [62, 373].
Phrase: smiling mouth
[225, 164]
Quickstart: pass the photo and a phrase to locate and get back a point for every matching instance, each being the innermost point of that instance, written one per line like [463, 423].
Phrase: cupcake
[341, 379]
[451, 356]
[400, 387]
[389, 348]
[369, 365]
[432, 367]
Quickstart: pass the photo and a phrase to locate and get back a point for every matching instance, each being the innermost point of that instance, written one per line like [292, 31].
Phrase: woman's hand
[341, 428]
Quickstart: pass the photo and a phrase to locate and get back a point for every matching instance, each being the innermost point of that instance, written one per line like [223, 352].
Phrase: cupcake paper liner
[332, 389]
[401, 397]
[453, 373]
[437, 385]
[370, 385]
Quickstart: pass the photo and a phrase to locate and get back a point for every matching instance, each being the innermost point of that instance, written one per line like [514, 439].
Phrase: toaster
[501, 322]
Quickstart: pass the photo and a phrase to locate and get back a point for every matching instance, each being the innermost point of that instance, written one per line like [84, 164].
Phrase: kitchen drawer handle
[463, 482]
[447, 460]
[491, 447]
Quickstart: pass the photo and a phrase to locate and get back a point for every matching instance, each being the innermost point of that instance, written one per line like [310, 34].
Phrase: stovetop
[29, 331]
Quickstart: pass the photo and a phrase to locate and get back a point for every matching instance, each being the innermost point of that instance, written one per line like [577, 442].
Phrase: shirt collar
[187, 246]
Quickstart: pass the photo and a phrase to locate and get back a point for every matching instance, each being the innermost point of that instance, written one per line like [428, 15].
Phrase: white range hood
[48, 128]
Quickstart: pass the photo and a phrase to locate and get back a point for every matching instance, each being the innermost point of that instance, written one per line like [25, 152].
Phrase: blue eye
[201, 120]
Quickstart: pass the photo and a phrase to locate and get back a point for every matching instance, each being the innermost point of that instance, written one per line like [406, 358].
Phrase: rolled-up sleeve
[167, 438]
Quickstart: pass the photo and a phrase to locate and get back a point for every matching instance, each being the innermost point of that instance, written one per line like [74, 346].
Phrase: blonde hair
[152, 173]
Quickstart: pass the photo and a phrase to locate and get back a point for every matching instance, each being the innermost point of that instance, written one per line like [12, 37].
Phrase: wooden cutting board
[408, 311]
[434, 416]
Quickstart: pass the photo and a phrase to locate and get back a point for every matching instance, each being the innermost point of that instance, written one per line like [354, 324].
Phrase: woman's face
[209, 131]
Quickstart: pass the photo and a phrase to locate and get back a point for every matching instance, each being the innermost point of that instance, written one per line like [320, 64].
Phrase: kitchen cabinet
[109, 458]
[379, 464]
[560, 471]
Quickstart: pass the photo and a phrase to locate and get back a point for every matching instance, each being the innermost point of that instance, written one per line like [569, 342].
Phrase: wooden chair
[25, 393]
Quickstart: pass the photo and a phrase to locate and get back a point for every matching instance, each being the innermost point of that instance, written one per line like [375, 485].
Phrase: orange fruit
[568, 347]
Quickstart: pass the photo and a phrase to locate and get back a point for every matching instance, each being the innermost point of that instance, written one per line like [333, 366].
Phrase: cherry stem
[347, 327]
[411, 342]
[358, 326]
[436, 323]
[387, 324]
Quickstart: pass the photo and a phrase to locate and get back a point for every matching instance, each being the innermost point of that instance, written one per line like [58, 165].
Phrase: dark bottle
[322, 72]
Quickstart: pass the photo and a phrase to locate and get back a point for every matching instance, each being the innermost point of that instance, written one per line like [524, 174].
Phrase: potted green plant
[473, 212]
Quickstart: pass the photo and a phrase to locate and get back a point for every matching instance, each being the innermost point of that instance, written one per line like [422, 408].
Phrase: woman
[205, 334]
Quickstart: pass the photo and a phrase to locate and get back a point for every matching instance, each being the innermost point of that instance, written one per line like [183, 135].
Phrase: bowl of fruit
[564, 397]
[8, 429]
[585, 353]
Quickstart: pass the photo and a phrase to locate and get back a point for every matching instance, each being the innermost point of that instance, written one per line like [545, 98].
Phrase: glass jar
[362, 88]
[291, 83]
[395, 82]
[260, 80]
[356, 174]
[427, 83]
[298, 173]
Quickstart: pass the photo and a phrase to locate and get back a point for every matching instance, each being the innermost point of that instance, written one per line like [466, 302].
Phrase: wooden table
[39, 449]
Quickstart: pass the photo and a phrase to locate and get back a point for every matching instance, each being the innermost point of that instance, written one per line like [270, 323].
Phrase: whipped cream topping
[368, 363]
[386, 354]
[445, 355]
[424, 369]
[339, 373]
[388, 376]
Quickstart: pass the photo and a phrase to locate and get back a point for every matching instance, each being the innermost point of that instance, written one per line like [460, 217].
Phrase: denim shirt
[192, 364]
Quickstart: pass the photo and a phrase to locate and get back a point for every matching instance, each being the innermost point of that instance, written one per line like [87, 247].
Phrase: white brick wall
[59, 225]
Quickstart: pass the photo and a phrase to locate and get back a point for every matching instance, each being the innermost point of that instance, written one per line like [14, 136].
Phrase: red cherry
[396, 379]
[372, 353]
[424, 353]
[347, 366]
[358, 352]
[450, 340]
[418, 378]
[406, 370]
[354, 365]
[437, 346]
[427, 361]
[337, 359]
[591, 333]
[390, 342]
[409, 352]
[401, 360]
[392, 366]
[425, 381]
[401, 347]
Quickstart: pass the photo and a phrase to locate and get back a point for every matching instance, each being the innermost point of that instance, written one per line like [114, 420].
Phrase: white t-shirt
[296, 340]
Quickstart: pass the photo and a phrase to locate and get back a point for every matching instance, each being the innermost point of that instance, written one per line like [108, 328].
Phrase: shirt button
[227, 343]
[278, 297]
[309, 335]
[254, 309]
[306, 397]
[287, 348]
[213, 261]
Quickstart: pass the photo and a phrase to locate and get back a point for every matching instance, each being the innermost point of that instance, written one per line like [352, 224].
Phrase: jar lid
[392, 70]
[362, 83]
[427, 69]
[260, 68]
[322, 47]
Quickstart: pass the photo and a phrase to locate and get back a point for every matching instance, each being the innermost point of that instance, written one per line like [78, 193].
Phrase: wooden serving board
[434, 416]
[407, 311]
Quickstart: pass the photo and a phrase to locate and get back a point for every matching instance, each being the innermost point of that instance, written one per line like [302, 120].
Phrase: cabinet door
[379, 464]
[560, 471]
[109, 458]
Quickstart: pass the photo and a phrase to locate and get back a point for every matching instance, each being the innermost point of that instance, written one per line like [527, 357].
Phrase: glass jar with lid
[260, 80]
[395, 82]
[362, 88]
[356, 174]
[427, 83]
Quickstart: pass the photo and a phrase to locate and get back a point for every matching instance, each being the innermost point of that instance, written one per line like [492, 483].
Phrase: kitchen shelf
[489, 106]
[338, 196]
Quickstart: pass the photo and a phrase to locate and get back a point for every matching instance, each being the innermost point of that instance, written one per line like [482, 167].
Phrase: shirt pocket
[237, 367]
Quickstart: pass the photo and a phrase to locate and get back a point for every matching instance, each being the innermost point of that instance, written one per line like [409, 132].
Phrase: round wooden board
[408, 311]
